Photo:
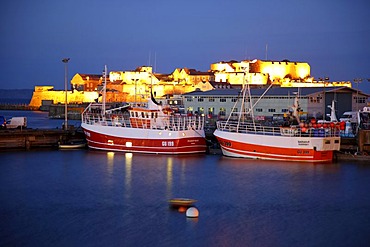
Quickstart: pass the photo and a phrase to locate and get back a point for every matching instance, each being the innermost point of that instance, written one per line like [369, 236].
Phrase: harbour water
[96, 198]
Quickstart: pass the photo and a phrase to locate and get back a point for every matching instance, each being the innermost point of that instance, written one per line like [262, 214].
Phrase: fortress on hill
[136, 85]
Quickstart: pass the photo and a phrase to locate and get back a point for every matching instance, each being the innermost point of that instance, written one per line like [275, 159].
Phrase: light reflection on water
[93, 198]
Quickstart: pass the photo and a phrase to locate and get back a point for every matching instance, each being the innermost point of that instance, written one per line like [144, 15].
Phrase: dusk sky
[333, 36]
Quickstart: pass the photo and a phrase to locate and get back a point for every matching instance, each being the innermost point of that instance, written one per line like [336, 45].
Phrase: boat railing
[170, 122]
[231, 126]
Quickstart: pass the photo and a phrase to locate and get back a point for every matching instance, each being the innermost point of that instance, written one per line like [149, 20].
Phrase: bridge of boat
[258, 129]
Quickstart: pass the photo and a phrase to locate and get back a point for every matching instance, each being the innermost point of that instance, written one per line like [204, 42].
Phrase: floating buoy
[192, 212]
[342, 125]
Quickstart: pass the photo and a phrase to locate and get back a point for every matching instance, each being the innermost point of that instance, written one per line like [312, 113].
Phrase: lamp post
[65, 61]
[135, 81]
[324, 80]
[357, 81]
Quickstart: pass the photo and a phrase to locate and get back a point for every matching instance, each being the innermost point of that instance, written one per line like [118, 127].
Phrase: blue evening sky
[333, 36]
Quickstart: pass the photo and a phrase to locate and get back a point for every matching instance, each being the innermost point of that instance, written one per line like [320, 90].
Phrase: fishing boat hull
[141, 140]
[278, 147]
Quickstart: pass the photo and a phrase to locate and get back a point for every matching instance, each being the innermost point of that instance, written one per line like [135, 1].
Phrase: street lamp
[65, 61]
[357, 81]
[325, 80]
[135, 81]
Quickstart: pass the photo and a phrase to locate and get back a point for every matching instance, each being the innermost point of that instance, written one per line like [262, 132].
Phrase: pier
[26, 139]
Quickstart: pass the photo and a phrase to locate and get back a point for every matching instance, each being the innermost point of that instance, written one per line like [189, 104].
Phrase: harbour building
[277, 102]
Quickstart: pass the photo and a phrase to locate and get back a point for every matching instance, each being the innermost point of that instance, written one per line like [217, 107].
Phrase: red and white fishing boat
[304, 143]
[151, 129]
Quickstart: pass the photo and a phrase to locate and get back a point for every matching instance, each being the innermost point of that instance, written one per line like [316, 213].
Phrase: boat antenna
[155, 62]
[266, 51]
[104, 90]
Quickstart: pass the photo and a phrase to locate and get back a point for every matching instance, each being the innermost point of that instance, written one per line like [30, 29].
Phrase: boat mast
[251, 106]
[65, 61]
[104, 90]
[242, 110]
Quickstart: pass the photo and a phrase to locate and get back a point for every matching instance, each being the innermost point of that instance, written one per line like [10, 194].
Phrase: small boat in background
[181, 202]
[72, 145]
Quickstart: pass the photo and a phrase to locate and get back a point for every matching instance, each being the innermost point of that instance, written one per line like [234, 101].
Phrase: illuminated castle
[135, 86]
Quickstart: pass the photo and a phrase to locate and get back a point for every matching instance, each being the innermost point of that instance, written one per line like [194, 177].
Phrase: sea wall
[75, 96]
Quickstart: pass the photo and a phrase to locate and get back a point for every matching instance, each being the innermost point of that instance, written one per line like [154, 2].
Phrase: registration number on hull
[168, 144]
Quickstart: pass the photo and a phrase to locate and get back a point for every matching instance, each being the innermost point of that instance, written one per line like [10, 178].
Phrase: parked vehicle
[2, 122]
[16, 122]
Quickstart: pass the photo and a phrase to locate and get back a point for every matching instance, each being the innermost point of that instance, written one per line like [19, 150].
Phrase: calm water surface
[94, 198]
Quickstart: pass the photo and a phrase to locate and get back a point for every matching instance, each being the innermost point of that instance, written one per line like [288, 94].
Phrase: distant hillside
[15, 96]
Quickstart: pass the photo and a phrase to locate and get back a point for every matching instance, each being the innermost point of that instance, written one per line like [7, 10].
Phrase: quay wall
[25, 139]
[18, 107]
[364, 141]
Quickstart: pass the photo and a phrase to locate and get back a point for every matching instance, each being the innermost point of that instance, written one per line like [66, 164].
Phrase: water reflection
[111, 199]
[128, 168]
[169, 176]
[110, 161]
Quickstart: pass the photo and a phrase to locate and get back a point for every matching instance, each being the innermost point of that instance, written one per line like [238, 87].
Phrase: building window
[200, 99]
[222, 111]
[200, 110]
[284, 110]
[189, 99]
[360, 100]
[211, 111]
[211, 99]
[234, 99]
[259, 110]
[272, 110]
[222, 99]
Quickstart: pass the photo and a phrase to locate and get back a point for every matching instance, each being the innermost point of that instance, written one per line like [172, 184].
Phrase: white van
[349, 116]
[16, 122]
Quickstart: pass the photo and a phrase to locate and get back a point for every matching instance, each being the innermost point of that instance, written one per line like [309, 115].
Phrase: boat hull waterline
[144, 140]
[270, 147]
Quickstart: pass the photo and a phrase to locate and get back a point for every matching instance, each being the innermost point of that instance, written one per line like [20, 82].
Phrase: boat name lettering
[303, 143]
[168, 144]
[195, 140]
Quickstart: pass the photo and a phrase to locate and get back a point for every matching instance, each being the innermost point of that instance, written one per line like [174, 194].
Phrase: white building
[277, 101]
